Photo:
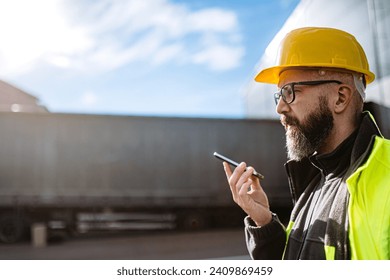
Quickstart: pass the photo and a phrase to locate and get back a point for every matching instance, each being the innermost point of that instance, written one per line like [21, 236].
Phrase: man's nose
[282, 106]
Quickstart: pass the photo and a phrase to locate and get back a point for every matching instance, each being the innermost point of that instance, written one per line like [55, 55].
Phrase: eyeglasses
[287, 92]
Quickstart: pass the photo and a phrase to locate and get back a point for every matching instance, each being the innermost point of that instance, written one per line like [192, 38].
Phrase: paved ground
[212, 244]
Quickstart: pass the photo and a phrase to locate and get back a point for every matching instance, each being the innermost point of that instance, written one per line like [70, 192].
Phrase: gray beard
[303, 139]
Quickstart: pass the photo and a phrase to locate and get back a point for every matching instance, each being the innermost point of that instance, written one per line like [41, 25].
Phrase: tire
[193, 220]
[12, 228]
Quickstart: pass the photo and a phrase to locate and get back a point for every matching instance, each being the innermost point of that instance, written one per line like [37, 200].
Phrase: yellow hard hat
[317, 47]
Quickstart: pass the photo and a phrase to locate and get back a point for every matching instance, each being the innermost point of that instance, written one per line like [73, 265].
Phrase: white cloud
[89, 98]
[104, 35]
[167, 53]
[212, 19]
[32, 30]
[219, 57]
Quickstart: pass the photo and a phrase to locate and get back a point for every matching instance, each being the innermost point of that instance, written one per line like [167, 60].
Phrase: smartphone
[235, 164]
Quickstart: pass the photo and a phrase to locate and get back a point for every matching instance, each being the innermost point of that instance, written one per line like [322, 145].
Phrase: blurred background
[110, 112]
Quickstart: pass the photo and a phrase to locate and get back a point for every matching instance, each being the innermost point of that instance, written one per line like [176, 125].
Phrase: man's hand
[248, 193]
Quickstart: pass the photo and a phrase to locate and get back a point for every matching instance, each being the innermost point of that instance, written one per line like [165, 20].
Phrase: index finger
[227, 169]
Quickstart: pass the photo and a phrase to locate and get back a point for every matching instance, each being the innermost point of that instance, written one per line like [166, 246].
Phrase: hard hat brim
[271, 75]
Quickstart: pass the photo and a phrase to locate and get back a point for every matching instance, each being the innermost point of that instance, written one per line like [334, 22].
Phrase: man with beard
[339, 164]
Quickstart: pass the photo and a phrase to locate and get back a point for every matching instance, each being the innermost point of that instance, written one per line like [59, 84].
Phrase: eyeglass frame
[279, 94]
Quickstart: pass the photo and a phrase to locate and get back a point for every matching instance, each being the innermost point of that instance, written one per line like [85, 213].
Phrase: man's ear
[344, 97]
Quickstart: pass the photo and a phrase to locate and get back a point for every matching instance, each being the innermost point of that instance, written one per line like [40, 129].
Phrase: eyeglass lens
[287, 93]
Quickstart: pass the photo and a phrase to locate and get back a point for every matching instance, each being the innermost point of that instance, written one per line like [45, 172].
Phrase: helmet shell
[318, 47]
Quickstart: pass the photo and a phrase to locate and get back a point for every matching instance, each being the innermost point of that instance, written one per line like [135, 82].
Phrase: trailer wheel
[11, 229]
[193, 220]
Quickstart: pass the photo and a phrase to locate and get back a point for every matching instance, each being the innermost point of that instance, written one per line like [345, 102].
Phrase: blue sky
[133, 57]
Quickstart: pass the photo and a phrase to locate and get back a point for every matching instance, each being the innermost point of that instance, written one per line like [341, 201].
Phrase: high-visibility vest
[369, 205]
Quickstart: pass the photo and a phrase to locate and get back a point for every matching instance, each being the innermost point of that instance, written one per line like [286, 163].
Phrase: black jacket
[320, 199]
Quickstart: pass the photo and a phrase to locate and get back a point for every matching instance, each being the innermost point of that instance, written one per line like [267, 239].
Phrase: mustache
[288, 121]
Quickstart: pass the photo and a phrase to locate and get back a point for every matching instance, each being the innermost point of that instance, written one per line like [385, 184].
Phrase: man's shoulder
[382, 148]
[376, 168]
